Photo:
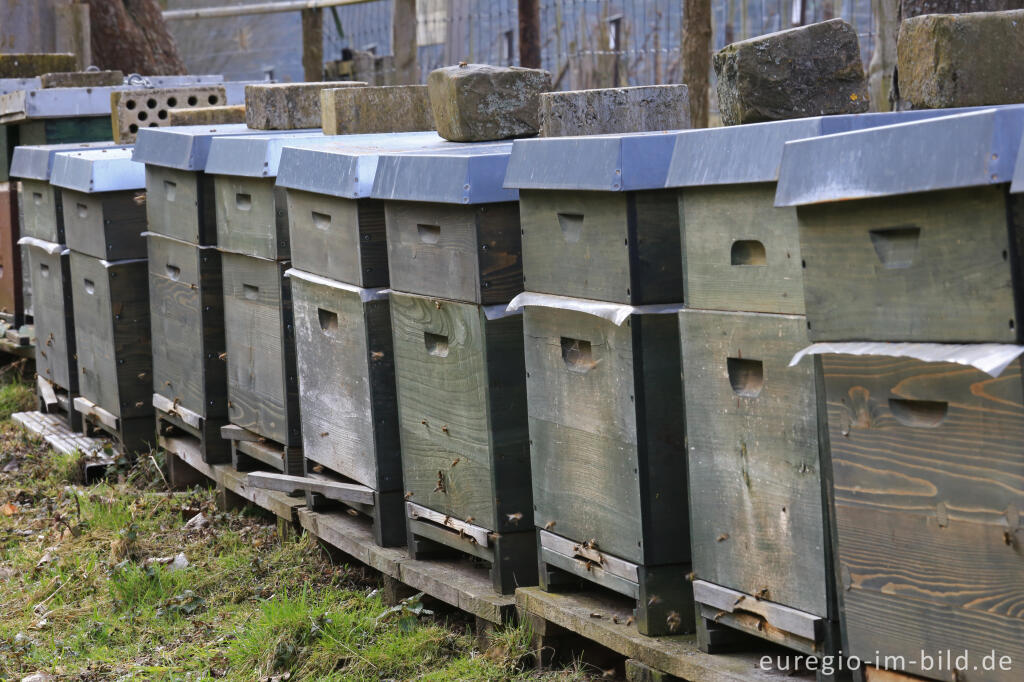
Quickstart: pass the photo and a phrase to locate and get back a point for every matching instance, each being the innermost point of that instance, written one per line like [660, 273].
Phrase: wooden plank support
[417, 511]
[783, 617]
[170, 407]
[343, 492]
[237, 433]
[91, 409]
[46, 393]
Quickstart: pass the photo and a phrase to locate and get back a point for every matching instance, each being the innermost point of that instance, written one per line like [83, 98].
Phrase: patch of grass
[79, 600]
[16, 395]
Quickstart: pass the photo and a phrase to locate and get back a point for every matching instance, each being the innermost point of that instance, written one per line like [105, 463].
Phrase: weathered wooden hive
[924, 454]
[48, 262]
[343, 328]
[603, 377]
[453, 255]
[110, 297]
[760, 516]
[185, 288]
[252, 237]
[910, 233]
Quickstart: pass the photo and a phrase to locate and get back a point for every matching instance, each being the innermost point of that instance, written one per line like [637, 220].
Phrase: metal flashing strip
[991, 358]
[616, 313]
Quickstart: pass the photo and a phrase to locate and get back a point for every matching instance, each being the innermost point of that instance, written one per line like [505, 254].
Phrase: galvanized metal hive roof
[257, 156]
[604, 163]
[979, 147]
[36, 162]
[185, 147]
[469, 173]
[98, 170]
[347, 166]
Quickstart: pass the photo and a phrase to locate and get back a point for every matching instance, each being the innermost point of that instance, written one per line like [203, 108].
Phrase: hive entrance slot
[578, 355]
[429, 234]
[37, 198]
[250, 292]
[896, 246]
[43, 268]
[436, 344]
[328, 321]
[90, 286]
[572, 226]
[83, 210]
[170, 189]
[173, 271]
[745, 376]
[321, 221]
[243, 201]
[925, 414]
[748, 252]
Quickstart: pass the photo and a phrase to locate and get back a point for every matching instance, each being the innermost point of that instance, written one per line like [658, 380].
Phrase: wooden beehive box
[336, 229]
[262, 378]
[462, 416]
[452, 230]
[104, 202]
[49, 266]
[251, 212]
[759, 517]
[11, 302]
[112, 337]
[596, 222]
[347, 391]
[903, 244]
[42, 209]
[608, 453]
[928, 463]
[179, 194]
[187, 312]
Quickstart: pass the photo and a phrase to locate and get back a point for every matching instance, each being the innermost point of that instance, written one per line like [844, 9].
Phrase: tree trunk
[886, 24]
[529, 34]
[697, 57]
[131, 36]
[403, 42]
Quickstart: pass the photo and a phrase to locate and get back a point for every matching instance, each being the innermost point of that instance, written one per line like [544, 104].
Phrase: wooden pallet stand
[131, 436]
[251, 451]
[181, 423]
[56, 401]
[606, 619]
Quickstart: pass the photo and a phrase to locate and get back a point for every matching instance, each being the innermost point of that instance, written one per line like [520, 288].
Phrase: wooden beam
[313, 44]
[256, 8]
[697, 57]
[529, 34]
[403, 42]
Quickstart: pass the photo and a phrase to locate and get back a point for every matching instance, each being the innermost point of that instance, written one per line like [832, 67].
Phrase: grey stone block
[81, 79]
[478, 102]
[915, 8]
[614, 110]
[389, 109]
[961, 60]
[287, 106]
[812, 70]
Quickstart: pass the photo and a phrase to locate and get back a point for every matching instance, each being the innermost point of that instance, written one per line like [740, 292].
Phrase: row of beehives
[552, 432]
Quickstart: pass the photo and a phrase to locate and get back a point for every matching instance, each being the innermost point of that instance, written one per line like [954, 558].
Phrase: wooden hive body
[252, 217]
[339, 238]
[610, 246]
[50, 270]
[180, 204]
[461, 252]
[347, 381]
[262, 380]
[928, 467]
[105, 225]
[111, 305]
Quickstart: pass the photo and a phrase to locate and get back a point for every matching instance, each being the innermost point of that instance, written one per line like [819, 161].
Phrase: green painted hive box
[928, 468]
[462, 417]
[759, 512]
[608, 452]
[347, 392]
[910, 233]
[336, 228]
[262, 379]
[596, 222]
[49, 266]
[187, 313]
[112, 337]
[452, 230]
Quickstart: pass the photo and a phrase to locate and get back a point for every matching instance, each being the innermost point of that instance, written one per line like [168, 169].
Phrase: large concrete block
[32, 65]
[390, 109]
[614, 110]
[478, 102]
[81, 79]
[961, 60]
[148, 107]
[807, 71]
[915, 8]
[287, 106]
